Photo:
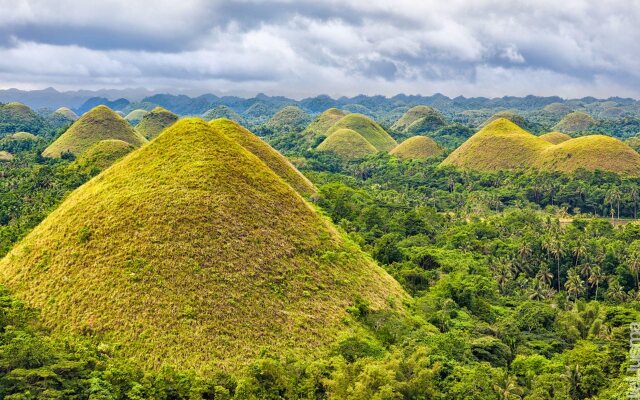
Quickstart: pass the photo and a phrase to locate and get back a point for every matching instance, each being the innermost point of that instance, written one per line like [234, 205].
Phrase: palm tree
[544, 275]
[634, 194]
[506, 387]
[633, 260]
[579, 249]
[596, 277]
[503, 272]
[615, 291]
[554, 247]
[612, 197]
[574, 284]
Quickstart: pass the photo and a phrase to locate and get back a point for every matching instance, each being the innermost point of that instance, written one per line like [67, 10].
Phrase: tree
[579, 249]
[574, 284]
[554, 247]
[596, 277]
[613, 197]
[506, 387]
[634, 194]
[544, 275]
[633, 260]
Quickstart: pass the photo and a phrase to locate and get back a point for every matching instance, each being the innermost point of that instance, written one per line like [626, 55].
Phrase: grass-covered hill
[591, 153]
[17, 117]
[557, 109]
[274, 160]
[323, 122]
[555, 137]
[103, 154]
[192, 252]
[288, 119]
[98, 124]
[155, 122]
[67, 113]
[419, 119]
[347, 144]
[417, 147]
[634, 142]
[369, 129]
[223, 112]
[509, 115]
[500, 145]
[135, 116]
[5, 156]
[574, 122]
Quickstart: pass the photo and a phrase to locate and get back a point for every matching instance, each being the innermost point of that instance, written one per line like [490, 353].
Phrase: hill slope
[321, 124]
[192, 252]
[155, 122]
[274, 160]
[417, 147]
[499, 145]
[369, 130]
[347, 144]
[103, 154]
[67, 113]
[555, 137]
[135, 116]
[223, 111]
[575, 121]
[591, 153]
[419, 119]
[511, 116]
[96, 125]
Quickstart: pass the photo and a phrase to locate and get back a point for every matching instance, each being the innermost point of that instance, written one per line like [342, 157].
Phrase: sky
[569, 48]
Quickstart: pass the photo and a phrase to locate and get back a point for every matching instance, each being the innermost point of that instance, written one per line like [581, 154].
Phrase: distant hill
[500, 145]
[419, 119]
[17, 117]
[288, 119]
[366, 127]
[574, 122]
[555, 137]
[323, 122]
[223, 112]
[5, 156]
[135, 116]
[347, 144]
[191, 252]
[93, 102]
[67, 113]
[511, 116]
[155, 122]
[416, 148]
[99, 124]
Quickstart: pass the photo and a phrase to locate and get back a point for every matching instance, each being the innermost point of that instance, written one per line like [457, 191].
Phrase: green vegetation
[633, 142]
[155, 122]
[419, 119]
[103, 154]
[555, 137]
[191, 252]
[274, 160]
[500, 145]
[369, 130]
[16, 117]
[94, 126]
[591, 152]
[417, 147]
[135, 116]
[347, 144]
[574, 122]
[223, 112]
[508, 115]
[557, 109]
[323, 122]
[288, 119]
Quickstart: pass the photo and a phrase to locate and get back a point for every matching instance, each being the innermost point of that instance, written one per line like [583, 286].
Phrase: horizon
[575, 49]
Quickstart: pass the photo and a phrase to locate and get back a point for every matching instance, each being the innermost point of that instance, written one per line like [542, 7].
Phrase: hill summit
[367, 128]
[347, 144]
[192, 252]
[288, 119]
[100, 123]
[321, 124]
[416, 148]
[419, 119]
[154, 122]
[499, 145]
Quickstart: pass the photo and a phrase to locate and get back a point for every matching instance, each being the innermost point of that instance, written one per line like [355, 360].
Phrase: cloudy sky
[571, 48]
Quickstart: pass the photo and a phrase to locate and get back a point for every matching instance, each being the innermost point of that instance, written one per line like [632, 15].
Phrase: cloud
[300, 48]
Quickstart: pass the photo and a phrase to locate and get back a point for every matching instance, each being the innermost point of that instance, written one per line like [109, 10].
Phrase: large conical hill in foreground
[98, 124]
[191, 252]
[274, 160]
